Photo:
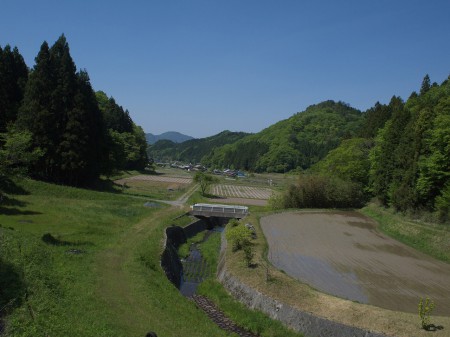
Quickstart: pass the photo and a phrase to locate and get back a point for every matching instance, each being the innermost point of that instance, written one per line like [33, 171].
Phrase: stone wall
[306, 323]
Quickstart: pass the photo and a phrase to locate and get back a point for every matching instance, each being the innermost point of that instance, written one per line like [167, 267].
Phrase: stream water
[195, 267]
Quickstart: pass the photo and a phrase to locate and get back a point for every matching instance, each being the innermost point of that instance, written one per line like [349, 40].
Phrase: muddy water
[343, 254]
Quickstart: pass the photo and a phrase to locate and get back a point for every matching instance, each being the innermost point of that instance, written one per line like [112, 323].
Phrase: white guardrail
[232, 209]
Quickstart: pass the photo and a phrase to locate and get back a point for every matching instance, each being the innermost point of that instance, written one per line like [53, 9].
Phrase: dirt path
[342, 253]
[115, 285]
[181, 200]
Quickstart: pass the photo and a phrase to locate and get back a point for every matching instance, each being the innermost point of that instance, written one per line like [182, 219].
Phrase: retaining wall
[306, 323]
[174, 236]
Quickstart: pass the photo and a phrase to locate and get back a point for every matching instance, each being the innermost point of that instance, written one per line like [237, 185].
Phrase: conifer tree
[383, 157]
[425, 85]
[13, 77]
[61, 112]
[37, 115]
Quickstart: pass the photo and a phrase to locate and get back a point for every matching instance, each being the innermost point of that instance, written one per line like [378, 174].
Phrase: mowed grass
[101, 274]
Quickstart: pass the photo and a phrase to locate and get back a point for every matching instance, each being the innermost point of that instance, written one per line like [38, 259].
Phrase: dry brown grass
[155, 189]
[290, 291]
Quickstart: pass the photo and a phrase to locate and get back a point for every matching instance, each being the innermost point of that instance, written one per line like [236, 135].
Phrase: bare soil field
[240, 201]
[158, 178]
[159, 187]
[343, 254]
[239, 191]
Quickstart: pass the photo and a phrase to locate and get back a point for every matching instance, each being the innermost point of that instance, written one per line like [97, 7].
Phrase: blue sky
[200, 67]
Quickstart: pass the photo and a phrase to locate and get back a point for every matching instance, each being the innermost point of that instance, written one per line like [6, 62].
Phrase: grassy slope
[116, 287]
[431, 239]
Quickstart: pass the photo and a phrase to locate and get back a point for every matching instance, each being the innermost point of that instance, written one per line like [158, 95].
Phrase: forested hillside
[403, 154]
[295, 143]
[53, 124]
[191, 150]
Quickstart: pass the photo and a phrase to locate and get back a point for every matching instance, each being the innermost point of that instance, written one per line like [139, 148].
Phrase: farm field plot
[238, 191]
[161, 178]
[155, 187]
[343, 254]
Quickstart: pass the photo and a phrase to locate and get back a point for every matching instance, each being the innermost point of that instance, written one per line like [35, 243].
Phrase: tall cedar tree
[13, 78]
[60, 110]
[383, 160]
[425, 85]
[410, 162]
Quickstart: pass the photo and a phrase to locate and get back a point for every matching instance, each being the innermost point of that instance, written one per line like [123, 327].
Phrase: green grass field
[76, 262]
[100, 274]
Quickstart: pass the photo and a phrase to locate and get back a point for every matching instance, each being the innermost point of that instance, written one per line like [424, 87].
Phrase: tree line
[56, 127]
[401, 156]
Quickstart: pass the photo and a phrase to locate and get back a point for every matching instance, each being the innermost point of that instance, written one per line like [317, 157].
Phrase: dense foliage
[320, 191]
[349, 161]
[53, 111]
[295, 143]
[410, 163]
[126, 143]
[403, 157]
[13, 78]
[205, 181]
[192, 150]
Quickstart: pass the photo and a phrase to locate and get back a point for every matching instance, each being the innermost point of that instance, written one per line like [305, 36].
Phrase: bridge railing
[231, 209]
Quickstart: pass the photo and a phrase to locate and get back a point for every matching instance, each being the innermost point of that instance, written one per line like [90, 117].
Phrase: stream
[195, 267]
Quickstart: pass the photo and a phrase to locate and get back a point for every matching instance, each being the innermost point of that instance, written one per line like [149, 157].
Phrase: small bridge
[224, 211]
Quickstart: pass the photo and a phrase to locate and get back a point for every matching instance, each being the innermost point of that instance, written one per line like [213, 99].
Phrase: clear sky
[201, 67]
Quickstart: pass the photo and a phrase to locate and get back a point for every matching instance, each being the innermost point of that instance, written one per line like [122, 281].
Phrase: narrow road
[181, 200]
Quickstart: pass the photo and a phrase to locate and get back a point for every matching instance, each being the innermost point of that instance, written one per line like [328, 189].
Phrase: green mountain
[174, 136]
[192, 150]
[295, 143]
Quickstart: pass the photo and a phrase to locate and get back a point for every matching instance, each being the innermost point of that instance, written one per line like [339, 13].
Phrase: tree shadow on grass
[54, 241]
[12, 287]
[105, 185]
[6, 200]
[9, 186]
[8, 204]
[16, 211]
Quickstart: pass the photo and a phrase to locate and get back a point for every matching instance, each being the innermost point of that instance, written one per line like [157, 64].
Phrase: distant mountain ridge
[294, 143]
[173, 136]
[192, 150]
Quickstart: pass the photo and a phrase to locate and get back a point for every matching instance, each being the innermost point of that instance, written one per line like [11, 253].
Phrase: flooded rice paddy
[343, 254]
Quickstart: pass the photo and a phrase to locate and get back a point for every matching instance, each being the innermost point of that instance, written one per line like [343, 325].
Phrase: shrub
[239, 236]
[319, 191]
[425, 309]
[248, 253]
